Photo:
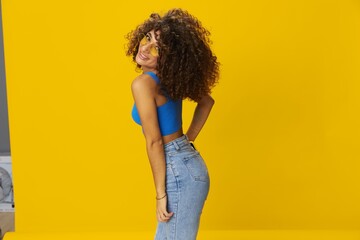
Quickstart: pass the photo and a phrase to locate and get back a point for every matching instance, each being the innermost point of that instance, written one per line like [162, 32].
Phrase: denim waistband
[177, 144]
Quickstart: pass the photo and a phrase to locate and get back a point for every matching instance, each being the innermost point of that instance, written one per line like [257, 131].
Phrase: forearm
[156, 157]
[201, 114]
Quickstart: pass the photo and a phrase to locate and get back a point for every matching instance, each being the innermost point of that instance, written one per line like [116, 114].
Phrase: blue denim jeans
[187, 187]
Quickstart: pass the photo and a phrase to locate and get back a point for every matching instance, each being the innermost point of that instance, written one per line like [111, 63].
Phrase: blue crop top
[169, 114]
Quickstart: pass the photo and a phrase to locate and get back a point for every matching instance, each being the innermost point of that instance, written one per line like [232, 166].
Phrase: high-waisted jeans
[187, 187]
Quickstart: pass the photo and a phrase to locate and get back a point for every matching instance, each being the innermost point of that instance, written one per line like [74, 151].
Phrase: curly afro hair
[186, 66]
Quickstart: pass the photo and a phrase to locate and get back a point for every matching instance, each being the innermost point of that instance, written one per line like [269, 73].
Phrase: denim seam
[177, 211]
[178, 186]
[178, 183]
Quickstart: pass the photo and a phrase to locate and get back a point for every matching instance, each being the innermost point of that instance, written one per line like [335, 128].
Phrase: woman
[174, 54]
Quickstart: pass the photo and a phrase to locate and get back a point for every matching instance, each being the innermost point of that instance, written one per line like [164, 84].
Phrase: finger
[164, 211]
[161, 217]
[168, 215]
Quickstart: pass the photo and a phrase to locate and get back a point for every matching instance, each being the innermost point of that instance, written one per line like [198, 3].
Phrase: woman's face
[148, 52]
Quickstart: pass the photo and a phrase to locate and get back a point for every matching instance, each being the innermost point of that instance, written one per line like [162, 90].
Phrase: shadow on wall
[7, 208]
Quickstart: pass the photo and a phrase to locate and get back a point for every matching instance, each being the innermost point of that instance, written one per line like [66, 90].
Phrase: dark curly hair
[186, 66]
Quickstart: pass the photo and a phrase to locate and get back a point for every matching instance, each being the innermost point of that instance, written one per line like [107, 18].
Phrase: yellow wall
[281, 144]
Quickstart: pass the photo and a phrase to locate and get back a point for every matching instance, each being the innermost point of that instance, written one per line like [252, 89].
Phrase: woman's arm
[202, 111]
[143, 89]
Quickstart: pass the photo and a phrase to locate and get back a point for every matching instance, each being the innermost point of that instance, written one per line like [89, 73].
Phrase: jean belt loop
[176, 145]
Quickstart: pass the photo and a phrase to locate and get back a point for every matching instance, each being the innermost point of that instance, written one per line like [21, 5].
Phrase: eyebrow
[151, 36]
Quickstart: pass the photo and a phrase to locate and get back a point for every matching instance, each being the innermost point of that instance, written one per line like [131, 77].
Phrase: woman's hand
[161, 212]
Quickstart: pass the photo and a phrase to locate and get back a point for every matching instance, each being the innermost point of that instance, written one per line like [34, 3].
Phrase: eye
[148, 37]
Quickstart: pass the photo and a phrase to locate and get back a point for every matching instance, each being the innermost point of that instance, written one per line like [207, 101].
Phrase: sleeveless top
[169, 114]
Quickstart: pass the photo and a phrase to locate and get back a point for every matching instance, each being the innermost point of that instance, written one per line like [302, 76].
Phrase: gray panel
[4, 120]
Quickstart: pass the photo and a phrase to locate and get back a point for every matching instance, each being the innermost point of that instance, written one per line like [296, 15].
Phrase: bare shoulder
[143, 82]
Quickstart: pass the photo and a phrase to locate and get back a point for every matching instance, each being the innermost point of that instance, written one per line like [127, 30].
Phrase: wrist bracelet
[161, 197]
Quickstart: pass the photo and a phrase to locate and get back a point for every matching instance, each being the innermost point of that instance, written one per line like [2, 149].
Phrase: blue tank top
[169, 114]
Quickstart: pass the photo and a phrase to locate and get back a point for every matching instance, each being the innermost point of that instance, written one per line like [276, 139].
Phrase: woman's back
[169, 113]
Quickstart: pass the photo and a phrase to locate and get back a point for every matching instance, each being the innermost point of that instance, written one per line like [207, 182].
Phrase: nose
[146, 47]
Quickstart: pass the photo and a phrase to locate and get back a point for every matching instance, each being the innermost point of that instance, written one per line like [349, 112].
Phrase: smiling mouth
[142, 56]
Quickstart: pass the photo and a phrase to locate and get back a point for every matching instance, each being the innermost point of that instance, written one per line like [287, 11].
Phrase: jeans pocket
[171, 182]
[196, 167]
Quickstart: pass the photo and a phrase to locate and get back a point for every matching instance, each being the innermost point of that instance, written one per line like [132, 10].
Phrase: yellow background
[281, 145]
